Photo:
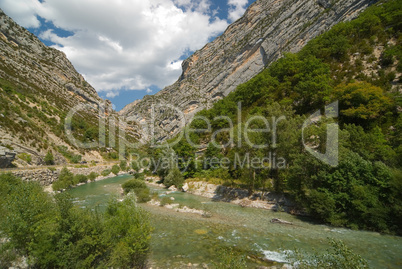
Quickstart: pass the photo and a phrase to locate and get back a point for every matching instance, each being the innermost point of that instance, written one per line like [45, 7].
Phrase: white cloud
[236, 9]
[22, 11]
[123, 44]
[149, 90]
[112, 94]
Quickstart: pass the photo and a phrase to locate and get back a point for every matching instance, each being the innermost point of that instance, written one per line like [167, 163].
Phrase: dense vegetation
[52, 233]
[139, 188]
[356, 63]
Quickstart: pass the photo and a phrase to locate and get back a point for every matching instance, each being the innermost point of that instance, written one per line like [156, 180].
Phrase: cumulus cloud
[127, 45]
[22, 11]
[236, 9]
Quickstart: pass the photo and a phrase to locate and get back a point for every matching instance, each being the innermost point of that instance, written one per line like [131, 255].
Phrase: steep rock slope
[38, 87]
[267, 29]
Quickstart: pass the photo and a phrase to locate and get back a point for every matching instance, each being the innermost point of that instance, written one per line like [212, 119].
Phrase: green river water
[182, 238]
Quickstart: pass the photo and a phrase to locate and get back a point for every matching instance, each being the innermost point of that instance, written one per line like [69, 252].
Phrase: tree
[52, 233]
[49, 158]
[361, 102]
[123, 165]
[66, 179]
[92, 176]
[115, 169]
[175, 178]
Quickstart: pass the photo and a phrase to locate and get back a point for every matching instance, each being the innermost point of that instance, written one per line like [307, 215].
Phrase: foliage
[106, 172]
[165, 200]
[360, 102]
[66, 179]
[140, 189]
[92, 176]
[73, 158]
[52, 233]
[362, 191]
[49, 158]
[353, 194]
[339, 256]
[79, 178]
[174, 178]
[115, 169]
[25, 157]
[230, 258]
[123, 165]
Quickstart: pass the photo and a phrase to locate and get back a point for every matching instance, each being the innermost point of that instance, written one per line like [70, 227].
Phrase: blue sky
[128, 48]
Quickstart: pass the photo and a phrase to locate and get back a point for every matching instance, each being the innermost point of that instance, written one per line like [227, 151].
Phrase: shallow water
[182, 238]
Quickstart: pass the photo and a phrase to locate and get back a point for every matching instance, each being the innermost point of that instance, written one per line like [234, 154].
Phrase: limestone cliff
[38, 87]
[267, 30]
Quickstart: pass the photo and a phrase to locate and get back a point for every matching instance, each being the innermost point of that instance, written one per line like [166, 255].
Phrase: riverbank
[46, 176]
[182, 238]
[241, 197]
[49, 188]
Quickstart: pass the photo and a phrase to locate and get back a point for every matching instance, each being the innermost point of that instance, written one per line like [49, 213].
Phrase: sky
[126, 48]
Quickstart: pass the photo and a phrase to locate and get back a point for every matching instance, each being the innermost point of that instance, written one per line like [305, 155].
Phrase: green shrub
[339, 256]
[25, 157]
[92, 176]
[140, 189]
[115, 169]
[133, 184]
[79, 178]
[106, 172]
[66, 179]
[51, 233]
[139, 176]
[49, 158]
[123, 165]
[166, 201]
[143, 195]
[174, 178]
[76, 158]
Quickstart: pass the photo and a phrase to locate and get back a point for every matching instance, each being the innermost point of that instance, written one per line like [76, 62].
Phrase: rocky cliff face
[6, 157]
[38, 87]
[267, 30]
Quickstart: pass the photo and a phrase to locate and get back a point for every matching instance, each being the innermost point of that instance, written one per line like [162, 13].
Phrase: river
[182, 238]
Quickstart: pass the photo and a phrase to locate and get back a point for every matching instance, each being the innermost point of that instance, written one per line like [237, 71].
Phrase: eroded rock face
[267, 29]
[6, 157]
[39, 88]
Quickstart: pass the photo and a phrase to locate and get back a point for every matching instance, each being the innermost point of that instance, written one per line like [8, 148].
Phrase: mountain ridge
[266, 30]
[39, 87]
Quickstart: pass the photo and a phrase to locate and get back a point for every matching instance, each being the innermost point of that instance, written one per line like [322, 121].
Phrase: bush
[340, 256]
[143, 195]
[49, 158]
[106, 172]
[133, 184]
[123, 165]
[115, 169]
[79, 179]
[174, 178]
[76, 158]
[65, 180]
[25, 157]
[139, 176]
[92, 176]
[166, 201]
[52, 233]
[140, 189]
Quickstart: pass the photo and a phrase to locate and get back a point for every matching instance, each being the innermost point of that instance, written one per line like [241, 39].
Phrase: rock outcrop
[267, 30]
[6, 157]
